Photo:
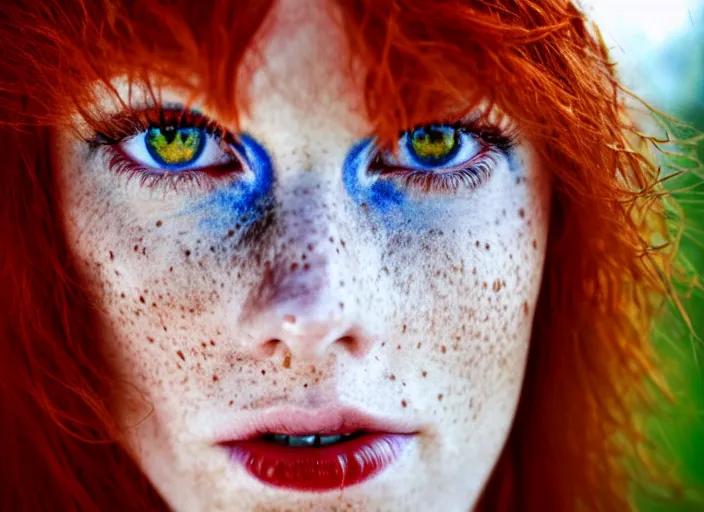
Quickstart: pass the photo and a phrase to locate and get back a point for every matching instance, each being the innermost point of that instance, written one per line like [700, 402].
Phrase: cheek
[465, 293]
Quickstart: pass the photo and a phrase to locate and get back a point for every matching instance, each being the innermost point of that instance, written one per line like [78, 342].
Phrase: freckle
[290, 319]
[305, 385]
[171, 269]
[122, 295]
[535, 244]
[187, 252]
[158, 223]
[342, 284]
[141, 299]
[403, 329]
[212, 249]
[180, 354]
[526, 309]
[332, 240]
[440, 397]
[294, 267]
[484, 285]
[404, 403]
[287, 361]
[144, 251]
[398, 347]
[215, 378]
[342, 243]
[496, 286]
[521, 213]
[419, 345]
[231, 402]
[112, 256]
[136, 248]
[487, 247]
[310, 247]
[474, 271]
[306, 266]
[443, 349]
[392, 377]
[150, 339]
[263, 372]
[425, 374]
[342, 305]
[383, 343]
[230, 233]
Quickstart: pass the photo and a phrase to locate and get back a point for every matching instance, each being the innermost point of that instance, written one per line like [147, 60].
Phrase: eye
[443, 157]
[435, 146]
[176, 148]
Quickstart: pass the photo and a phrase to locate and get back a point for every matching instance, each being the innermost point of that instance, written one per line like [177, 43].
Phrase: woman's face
[307, 286]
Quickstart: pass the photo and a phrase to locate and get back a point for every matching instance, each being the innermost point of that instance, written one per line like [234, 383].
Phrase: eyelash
[494, 142]
[448, 181]
[120, 128]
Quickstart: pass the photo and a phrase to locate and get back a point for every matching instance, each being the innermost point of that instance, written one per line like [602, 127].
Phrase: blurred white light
[640, 35]
[650, 20]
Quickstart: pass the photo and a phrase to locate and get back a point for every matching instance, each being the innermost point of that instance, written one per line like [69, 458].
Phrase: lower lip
[319, 469]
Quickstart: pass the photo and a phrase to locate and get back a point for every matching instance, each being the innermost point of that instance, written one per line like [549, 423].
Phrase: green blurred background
[659, 48]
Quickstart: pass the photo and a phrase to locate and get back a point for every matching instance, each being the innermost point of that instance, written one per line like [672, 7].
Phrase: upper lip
[296, 421]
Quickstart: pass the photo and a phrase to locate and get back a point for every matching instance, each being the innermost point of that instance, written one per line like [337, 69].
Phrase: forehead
[302, 65]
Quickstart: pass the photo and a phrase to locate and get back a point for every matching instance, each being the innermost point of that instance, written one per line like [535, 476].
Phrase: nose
[306, 311]
[304, 301]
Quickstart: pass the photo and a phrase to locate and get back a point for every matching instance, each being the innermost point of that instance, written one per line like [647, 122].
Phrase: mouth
[318, 451]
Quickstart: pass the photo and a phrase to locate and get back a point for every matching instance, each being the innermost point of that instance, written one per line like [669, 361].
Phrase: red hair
[590, 359]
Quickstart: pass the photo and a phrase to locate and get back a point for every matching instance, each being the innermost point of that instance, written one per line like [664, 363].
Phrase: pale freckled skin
[427, 326]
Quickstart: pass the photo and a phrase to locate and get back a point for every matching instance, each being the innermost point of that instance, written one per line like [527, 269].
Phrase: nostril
[351, 344]
[270, 346]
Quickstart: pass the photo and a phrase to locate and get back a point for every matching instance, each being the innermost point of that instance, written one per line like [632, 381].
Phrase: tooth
[280, 438]
[329, 439]
[301, 440]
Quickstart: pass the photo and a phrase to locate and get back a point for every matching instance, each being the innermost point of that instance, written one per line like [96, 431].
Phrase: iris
[433, 145]
[174, 146]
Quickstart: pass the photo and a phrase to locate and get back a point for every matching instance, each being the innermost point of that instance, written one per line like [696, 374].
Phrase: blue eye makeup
[177, 148]
[437, 161]
[185, 152]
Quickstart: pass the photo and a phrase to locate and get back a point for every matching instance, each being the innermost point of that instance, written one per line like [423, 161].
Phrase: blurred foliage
[680, 431]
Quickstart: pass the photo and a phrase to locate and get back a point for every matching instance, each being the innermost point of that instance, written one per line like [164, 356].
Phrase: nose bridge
[301, 299]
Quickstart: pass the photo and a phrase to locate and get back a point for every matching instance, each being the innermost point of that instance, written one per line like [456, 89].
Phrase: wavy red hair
[590, 361]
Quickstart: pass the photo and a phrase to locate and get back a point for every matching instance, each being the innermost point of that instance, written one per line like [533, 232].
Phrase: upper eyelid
[118, 127]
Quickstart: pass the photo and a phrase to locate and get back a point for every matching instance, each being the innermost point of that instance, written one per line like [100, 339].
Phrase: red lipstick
[317, 451]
